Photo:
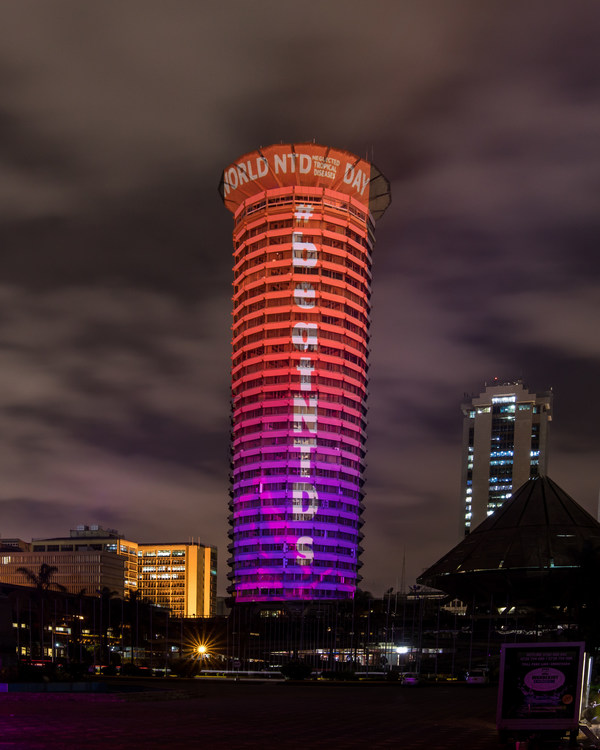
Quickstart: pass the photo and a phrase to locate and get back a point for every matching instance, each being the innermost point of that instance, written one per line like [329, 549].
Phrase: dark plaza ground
[194, 713]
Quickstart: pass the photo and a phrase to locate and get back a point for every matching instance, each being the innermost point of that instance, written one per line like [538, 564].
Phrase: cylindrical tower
[302, 238]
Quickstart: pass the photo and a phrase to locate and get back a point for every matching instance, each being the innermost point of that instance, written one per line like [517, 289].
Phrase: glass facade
[504, 445]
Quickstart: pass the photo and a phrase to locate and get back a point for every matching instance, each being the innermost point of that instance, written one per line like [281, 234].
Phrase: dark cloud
[147, 434]
[114, 330]
[17, 511]
[160, 238]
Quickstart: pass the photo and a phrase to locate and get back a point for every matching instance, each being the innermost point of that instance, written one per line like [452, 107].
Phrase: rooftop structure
[533, 546]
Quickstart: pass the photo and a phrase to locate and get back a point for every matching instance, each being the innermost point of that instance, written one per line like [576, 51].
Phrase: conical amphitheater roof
[540, 531]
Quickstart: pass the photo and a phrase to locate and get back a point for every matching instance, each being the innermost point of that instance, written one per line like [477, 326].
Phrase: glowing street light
[401, 651]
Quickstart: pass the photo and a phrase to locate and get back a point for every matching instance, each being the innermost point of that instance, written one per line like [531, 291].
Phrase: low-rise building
[181, 577]
[96, 538]
[77, 571]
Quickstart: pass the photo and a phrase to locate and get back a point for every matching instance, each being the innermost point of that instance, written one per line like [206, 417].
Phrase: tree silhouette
[138, 616]
[42, 580]
[75, 647]
[42, 583]
[584, 596]
[106, 595]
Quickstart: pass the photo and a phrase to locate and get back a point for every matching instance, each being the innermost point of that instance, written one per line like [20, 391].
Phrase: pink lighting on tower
[303, 236]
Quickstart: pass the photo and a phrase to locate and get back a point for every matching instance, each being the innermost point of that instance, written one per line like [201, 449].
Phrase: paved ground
[194, 714]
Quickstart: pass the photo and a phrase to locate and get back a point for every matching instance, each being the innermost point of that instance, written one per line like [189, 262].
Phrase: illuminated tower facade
[505, 437]
[303, 237]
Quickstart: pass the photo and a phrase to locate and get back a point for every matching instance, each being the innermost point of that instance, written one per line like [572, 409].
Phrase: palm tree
[42, 580]
[138, 616]
[76, 618]
[43, 583]
[584, 598]
[106, 595]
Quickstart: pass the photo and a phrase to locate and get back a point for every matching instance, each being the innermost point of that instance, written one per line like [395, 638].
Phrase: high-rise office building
[505, 438]
[303, 236]
[181, 577]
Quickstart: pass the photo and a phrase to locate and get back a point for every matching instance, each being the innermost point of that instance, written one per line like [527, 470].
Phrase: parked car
[410, 678]
[477, 677]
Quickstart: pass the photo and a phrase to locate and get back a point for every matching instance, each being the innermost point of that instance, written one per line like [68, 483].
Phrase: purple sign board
[540, 686]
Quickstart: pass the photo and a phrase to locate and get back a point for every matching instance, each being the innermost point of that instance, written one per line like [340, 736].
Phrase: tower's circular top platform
[309, 164]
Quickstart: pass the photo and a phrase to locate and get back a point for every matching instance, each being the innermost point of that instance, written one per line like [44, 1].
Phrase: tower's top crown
[308, 164]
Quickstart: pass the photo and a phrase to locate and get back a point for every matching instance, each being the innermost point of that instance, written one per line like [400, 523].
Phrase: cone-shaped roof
[540, 528]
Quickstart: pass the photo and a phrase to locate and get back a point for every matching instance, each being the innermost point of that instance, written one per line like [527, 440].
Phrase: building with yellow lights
[95, 538]
[88, 571]
[181, 577]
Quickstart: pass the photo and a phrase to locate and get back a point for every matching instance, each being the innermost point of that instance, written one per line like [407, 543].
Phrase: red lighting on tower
[303, 235]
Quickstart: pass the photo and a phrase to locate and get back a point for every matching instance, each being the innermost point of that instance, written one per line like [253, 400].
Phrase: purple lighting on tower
[303, 236]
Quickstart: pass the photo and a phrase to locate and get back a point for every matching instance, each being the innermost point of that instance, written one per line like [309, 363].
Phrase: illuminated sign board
[307, 164]
[540, 686]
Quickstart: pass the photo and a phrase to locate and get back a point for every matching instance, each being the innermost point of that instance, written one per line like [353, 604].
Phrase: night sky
[116, 120]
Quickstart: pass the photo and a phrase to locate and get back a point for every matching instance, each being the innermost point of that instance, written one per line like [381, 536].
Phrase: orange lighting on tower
[303, 237]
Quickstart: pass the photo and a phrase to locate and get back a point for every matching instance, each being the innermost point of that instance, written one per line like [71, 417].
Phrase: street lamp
[401, 650]
[202, 652]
